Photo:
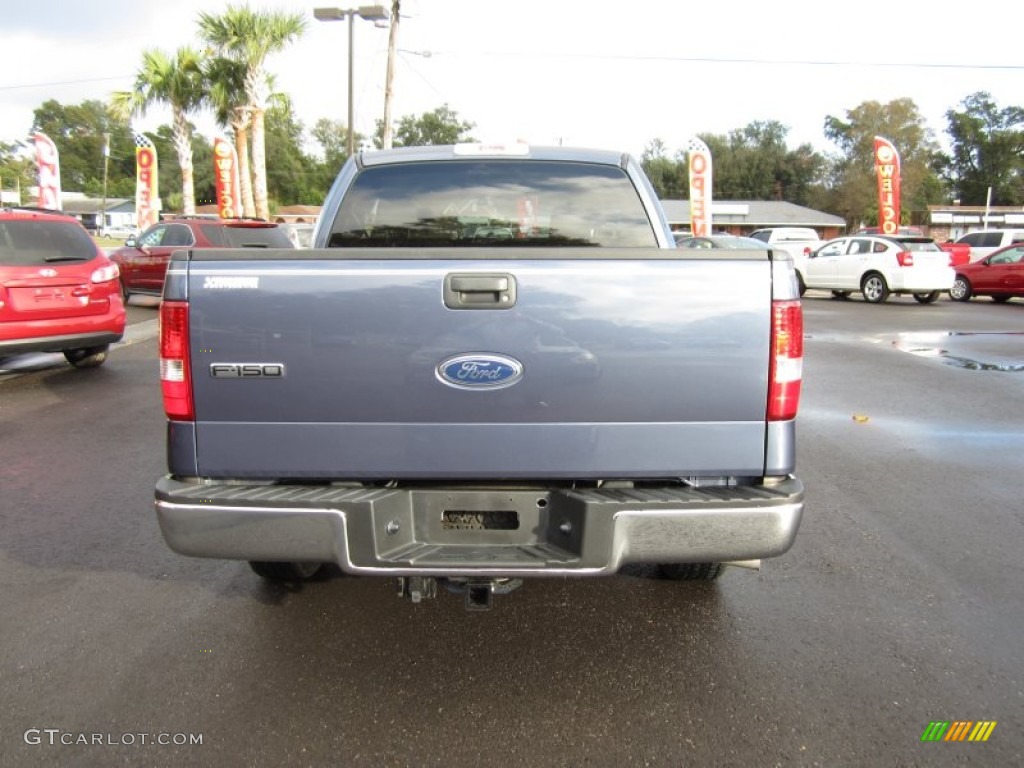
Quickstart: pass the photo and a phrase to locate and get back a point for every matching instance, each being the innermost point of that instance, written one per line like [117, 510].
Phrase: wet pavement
[899, 605]
[974, 351]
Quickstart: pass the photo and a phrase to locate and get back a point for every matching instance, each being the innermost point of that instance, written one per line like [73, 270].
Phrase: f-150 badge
[247, 370]
[479, 371]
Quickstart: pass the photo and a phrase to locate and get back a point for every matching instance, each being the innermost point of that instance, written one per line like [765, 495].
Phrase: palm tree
[226, 83]
[177, 82]
[248, 37]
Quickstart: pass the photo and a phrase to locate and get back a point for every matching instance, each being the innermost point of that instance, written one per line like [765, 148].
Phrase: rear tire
[1000, 298]
[89, 357]
[874, 288]
[125, 293]
[690, 571]
[961, 290]
[286, 571]
[926, 298]
[801, 284]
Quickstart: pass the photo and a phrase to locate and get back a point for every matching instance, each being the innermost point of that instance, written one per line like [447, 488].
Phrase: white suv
[985, 241]
[877, 266]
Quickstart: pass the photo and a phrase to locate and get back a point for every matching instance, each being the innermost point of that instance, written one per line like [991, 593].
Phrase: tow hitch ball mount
[478, 592]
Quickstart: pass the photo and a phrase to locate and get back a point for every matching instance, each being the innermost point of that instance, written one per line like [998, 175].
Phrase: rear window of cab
[246, 236]
[918, 244]
[508, 202]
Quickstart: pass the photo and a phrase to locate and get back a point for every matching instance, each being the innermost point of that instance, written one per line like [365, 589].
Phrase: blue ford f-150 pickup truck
[492, 365]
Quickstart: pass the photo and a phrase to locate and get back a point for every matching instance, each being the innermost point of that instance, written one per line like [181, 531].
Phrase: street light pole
[370, 13]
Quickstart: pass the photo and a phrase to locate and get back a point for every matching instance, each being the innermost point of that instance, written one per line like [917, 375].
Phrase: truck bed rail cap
[452, 152]
[517, 149]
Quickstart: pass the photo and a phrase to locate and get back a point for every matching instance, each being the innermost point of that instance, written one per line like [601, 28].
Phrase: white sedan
[877, 266]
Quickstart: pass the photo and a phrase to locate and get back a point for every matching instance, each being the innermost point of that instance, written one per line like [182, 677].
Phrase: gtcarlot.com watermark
[56, 737]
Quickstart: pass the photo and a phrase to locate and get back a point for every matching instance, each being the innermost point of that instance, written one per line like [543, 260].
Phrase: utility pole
[390, 79]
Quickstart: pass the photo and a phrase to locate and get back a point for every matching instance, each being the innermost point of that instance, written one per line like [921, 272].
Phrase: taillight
[105, 274]
[905, 258]
[786, 364]
[175, 368]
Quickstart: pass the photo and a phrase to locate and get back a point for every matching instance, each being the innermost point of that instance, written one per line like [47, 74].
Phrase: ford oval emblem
[479, 371]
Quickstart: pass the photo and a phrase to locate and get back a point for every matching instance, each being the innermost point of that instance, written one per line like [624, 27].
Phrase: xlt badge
[247, 370]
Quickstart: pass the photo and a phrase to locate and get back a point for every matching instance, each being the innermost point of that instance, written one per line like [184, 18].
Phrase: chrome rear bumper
[514, 532]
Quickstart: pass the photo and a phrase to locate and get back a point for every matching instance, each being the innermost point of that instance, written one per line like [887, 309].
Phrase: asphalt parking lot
[899, 605]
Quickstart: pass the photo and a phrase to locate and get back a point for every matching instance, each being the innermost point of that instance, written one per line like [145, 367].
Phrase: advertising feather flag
[147, 191]
[48, 163]
[226, 180]
[887, 170]
[699, 161]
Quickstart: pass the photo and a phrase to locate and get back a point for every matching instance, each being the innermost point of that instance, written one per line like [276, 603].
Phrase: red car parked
[959, 253]
[143, 260]
[58, 291]
[999, 275]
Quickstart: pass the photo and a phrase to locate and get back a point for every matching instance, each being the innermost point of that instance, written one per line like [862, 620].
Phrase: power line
[730, 60]
[631, 57]
[63, 82]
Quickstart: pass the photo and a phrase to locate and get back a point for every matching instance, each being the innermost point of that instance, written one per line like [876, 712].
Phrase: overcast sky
[612, 75]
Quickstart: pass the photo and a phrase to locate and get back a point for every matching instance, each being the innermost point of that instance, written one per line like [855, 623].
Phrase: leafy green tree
[669, 176]
[442, 126]
[987, 151]
[751, 163]
[79, 131]
[17, 171]
[851, 173]
[179, 83]
[292, 175]
[249, 37]
[332, 136]
[755, 163]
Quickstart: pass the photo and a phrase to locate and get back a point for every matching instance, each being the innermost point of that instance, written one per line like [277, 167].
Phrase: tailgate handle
[479, 291]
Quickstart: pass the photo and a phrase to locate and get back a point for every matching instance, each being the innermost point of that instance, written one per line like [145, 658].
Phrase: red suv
[143, 259]
[58, 291]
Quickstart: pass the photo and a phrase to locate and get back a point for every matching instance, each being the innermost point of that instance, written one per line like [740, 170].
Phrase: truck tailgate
[537, 363]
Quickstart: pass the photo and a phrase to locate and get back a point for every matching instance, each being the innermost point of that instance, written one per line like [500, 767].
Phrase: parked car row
[875, 265]
[59, 292]
[878, 266]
